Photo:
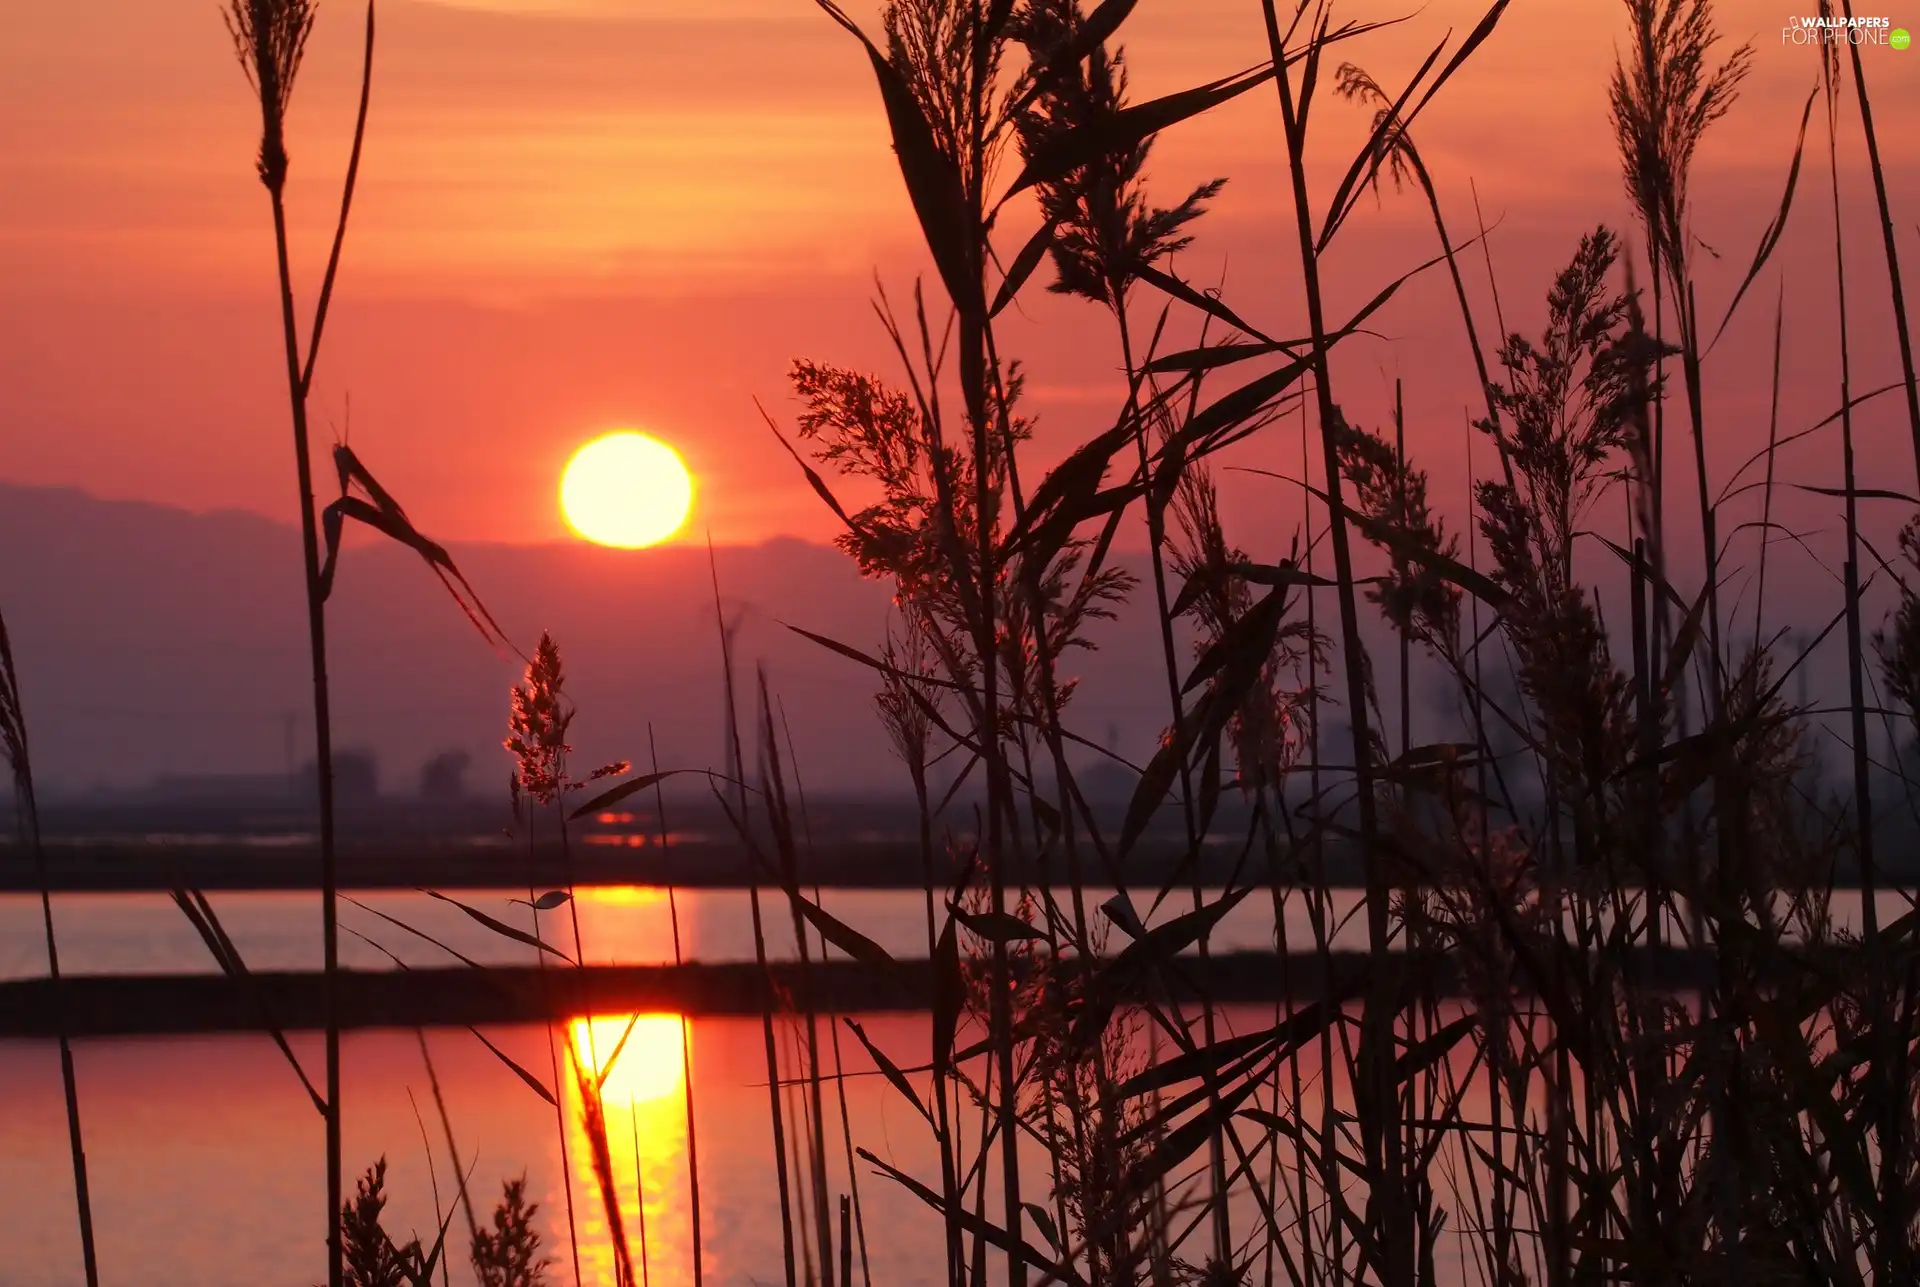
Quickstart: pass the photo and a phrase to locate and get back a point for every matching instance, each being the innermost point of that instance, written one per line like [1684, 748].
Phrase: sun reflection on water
[641, 1064]
[637, 1057]
[629, 925]
[623, 896]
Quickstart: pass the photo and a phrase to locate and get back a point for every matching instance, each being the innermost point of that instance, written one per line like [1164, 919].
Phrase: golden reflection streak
[640, 1063]
[644, 1110]
[628, 925]
[624, 895]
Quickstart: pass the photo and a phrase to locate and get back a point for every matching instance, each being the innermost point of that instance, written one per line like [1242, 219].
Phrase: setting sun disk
[626, 490]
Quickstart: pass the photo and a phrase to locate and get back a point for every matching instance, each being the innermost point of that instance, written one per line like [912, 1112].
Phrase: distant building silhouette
[443, 778]
[1106, 782]
[224, 788]
[356, 775]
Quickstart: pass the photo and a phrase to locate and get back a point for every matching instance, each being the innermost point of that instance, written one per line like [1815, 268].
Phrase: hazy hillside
[155, 641]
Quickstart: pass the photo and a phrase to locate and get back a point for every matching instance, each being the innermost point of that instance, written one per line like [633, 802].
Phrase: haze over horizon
[186, 654]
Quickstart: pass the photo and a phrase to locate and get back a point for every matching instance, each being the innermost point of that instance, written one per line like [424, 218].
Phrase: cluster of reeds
[1608, 1026]
[544, 791]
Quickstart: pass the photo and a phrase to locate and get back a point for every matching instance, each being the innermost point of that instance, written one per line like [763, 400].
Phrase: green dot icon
[1900, 39]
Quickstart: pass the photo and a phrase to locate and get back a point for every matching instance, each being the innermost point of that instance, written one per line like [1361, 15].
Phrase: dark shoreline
[178, 1005]
[219, 864]
[223, 864]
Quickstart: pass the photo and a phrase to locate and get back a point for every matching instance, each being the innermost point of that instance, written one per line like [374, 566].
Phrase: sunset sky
[577, 215]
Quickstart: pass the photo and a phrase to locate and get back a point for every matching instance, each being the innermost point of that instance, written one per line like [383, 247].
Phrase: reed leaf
[889, 1069]
[533, 1082]
[933, 183]
[1777, 227]
[500, 927]
[1107, 135]
[1022, 268]
[843, 936]
[976, 1224]
[615, 794]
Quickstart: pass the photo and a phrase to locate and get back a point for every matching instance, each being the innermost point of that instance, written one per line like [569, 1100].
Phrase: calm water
[146, 933]
[206, 1155]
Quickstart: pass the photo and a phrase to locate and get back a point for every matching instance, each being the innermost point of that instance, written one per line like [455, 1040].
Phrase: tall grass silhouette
[13, 744]
[270, 38]
[1724, 1130]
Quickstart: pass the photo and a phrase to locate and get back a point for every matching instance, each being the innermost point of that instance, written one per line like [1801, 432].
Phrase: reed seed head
[1898, 646]
[372, 1257]
[270, 38]
[1665, 94]
[508, 1255]
[1105, 231]
[537, 724]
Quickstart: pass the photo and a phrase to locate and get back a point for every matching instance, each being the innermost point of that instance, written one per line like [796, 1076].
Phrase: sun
[626, 489]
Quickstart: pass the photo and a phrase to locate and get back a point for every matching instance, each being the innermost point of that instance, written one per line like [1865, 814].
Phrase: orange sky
[579, 214]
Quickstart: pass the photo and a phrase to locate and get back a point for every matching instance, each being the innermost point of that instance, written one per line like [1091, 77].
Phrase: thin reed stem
[1385, 1169]
[323, 744]
[686, 1028]
[13, 740]
[640, 1192]
[736, 767]
[1898, 295]
[269, 38]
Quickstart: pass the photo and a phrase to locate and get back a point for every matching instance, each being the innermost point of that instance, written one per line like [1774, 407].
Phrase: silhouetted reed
[26, 808]
[508, 1254]
[270, 38]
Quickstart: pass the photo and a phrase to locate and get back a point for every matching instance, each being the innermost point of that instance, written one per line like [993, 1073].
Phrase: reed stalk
[1385, 1170]
[787, 850]
[13, 742]
[269, 38]
[1890, 1247]
[686, 1029]
[853, 1218]
[1901, 330]
[737, 778]
[537, 724]
[640, 1193]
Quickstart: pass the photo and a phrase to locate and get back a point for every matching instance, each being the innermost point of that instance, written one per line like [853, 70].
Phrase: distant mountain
[156, 642]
